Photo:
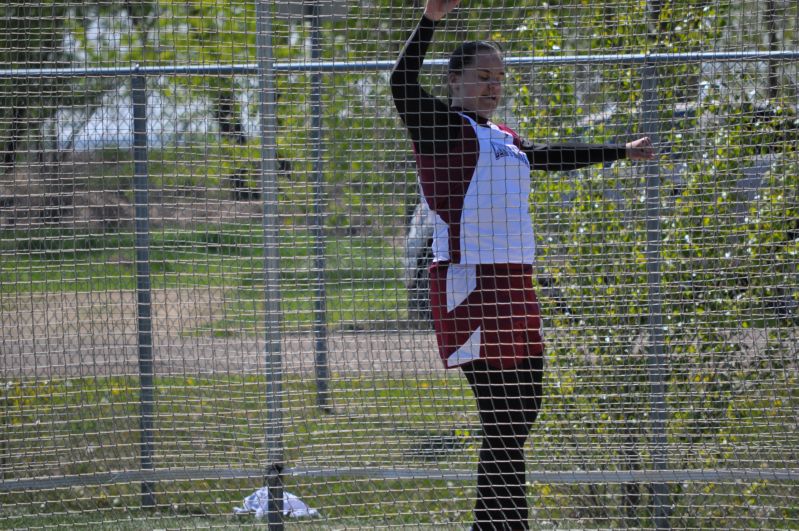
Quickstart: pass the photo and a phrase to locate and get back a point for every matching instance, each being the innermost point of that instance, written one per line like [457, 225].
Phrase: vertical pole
[271, 226]
[656, 356]
[143, 293]
[321, 364]
[5, 422]
[773, 46]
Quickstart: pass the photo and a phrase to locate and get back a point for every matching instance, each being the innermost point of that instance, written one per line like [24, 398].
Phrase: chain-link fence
[214, 266]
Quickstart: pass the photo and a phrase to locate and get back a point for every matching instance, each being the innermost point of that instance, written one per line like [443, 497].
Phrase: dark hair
[465, 55]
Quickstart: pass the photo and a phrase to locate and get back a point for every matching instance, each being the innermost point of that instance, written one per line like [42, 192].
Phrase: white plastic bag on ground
[258, 503]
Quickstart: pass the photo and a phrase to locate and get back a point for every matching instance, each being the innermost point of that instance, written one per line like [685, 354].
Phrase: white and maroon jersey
[487, 215]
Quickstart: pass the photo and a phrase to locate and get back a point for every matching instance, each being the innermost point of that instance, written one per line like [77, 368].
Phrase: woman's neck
[471, 114]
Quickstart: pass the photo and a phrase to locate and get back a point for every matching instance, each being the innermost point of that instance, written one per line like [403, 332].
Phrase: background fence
[213, 266]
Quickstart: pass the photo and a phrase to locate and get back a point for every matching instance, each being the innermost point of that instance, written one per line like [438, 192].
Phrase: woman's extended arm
[571, 156]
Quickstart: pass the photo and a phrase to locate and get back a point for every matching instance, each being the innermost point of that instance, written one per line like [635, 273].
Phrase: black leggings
[508, 401]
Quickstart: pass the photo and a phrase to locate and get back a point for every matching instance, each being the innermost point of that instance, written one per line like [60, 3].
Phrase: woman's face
[478, 88]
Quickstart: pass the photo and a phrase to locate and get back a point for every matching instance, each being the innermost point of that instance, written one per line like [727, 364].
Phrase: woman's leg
[508, 403]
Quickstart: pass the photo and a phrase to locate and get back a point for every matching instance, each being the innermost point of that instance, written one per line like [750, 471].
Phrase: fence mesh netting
[214, 265]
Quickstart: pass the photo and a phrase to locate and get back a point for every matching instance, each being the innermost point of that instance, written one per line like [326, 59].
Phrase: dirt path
[87, 334]
[52, 335]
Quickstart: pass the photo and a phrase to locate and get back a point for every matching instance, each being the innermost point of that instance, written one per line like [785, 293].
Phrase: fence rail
[207, 474]
[374, 66]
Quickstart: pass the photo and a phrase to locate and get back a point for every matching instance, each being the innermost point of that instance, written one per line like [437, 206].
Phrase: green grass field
[69, 427]
[362, 275]
[92, 426]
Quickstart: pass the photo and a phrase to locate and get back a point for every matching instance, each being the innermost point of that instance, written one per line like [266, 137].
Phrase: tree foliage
[31, 36]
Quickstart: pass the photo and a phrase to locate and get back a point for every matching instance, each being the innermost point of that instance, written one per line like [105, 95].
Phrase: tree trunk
[227, 117]
[11, 146]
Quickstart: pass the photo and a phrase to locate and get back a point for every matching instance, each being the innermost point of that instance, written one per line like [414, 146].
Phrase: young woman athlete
[474, 175]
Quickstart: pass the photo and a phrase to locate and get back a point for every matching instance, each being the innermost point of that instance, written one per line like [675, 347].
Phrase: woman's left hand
[641, 149]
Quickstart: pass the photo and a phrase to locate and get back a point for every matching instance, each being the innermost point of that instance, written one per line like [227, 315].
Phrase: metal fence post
[656, 356]
[271, 227]
[143, 290]
[321, 363]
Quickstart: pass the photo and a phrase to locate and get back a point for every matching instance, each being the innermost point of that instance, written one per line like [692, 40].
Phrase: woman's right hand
[438, 9]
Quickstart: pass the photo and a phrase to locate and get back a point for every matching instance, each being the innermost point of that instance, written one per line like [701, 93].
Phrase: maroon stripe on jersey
[445, 179]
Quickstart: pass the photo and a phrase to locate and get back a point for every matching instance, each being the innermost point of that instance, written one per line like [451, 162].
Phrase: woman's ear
[453, 78]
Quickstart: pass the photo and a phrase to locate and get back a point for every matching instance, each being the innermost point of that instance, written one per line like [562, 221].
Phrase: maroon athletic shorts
[487, 311]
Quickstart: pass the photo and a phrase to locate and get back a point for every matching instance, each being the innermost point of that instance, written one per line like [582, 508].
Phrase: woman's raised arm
[430, 122]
